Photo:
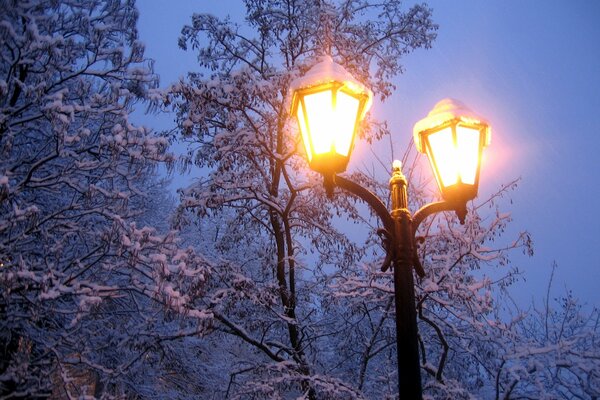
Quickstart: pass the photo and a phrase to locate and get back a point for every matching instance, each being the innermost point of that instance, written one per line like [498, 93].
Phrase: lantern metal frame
[458, 191]
[331, 162]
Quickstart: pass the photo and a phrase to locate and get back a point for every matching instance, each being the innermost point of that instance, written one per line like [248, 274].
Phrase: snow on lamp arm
[329, 105]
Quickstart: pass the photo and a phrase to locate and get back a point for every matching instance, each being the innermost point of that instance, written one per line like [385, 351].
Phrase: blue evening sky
[531, 68]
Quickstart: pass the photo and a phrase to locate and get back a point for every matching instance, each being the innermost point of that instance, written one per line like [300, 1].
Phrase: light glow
[330, 123]
[443, 156]
[304, 131]
[346, 109]
[455, 159]
[467, 153]
[319, 111]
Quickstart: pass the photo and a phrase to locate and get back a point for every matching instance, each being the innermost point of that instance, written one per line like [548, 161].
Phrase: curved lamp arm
[368, 197]
[460, 207]
[432, 208]
[376, 205]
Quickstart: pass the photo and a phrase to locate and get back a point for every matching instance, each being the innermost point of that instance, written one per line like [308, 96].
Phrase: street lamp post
[329, 105]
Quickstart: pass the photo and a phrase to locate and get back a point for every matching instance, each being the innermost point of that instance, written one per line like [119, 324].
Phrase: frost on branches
[85, 290]
[274, 225]
[550, 351]
[301, 310]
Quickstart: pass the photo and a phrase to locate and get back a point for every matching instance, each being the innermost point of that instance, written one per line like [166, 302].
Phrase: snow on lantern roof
[326, 71]
[447, 110]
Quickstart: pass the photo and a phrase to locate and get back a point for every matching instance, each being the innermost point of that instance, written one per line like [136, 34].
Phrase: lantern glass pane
[443, 156]
[467, 148]
[304, 130]
[346, 111]
[320, 116]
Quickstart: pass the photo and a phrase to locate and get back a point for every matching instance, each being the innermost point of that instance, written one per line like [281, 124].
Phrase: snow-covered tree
[550, 351]
[95, 302]
[88, 294]
[300, 309]
[233, 112]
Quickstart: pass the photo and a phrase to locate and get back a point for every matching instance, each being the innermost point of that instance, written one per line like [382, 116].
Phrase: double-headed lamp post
[329, 105]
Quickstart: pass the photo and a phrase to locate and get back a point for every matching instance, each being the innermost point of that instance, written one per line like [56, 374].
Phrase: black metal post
[409, 369]
[400, 228]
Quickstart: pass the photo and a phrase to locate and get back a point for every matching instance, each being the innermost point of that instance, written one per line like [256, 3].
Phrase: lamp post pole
[399, 229]
[407, 346]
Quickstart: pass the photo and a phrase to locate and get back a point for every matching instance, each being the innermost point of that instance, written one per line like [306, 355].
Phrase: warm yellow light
[331, 121]
[320, 113]
[327, 122]
[442, 155]
[303, 129]
[346, 112]
[467, 153]
[455, 157]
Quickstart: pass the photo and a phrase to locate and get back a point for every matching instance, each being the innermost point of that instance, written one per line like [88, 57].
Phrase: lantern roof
[327, 71]
[446, 110]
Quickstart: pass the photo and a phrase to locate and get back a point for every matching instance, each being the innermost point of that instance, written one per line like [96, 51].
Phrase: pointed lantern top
[327, 71]
[446, 110]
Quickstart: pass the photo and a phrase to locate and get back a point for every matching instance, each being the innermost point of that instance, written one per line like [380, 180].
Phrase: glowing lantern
[329, 105]
[453, 138]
